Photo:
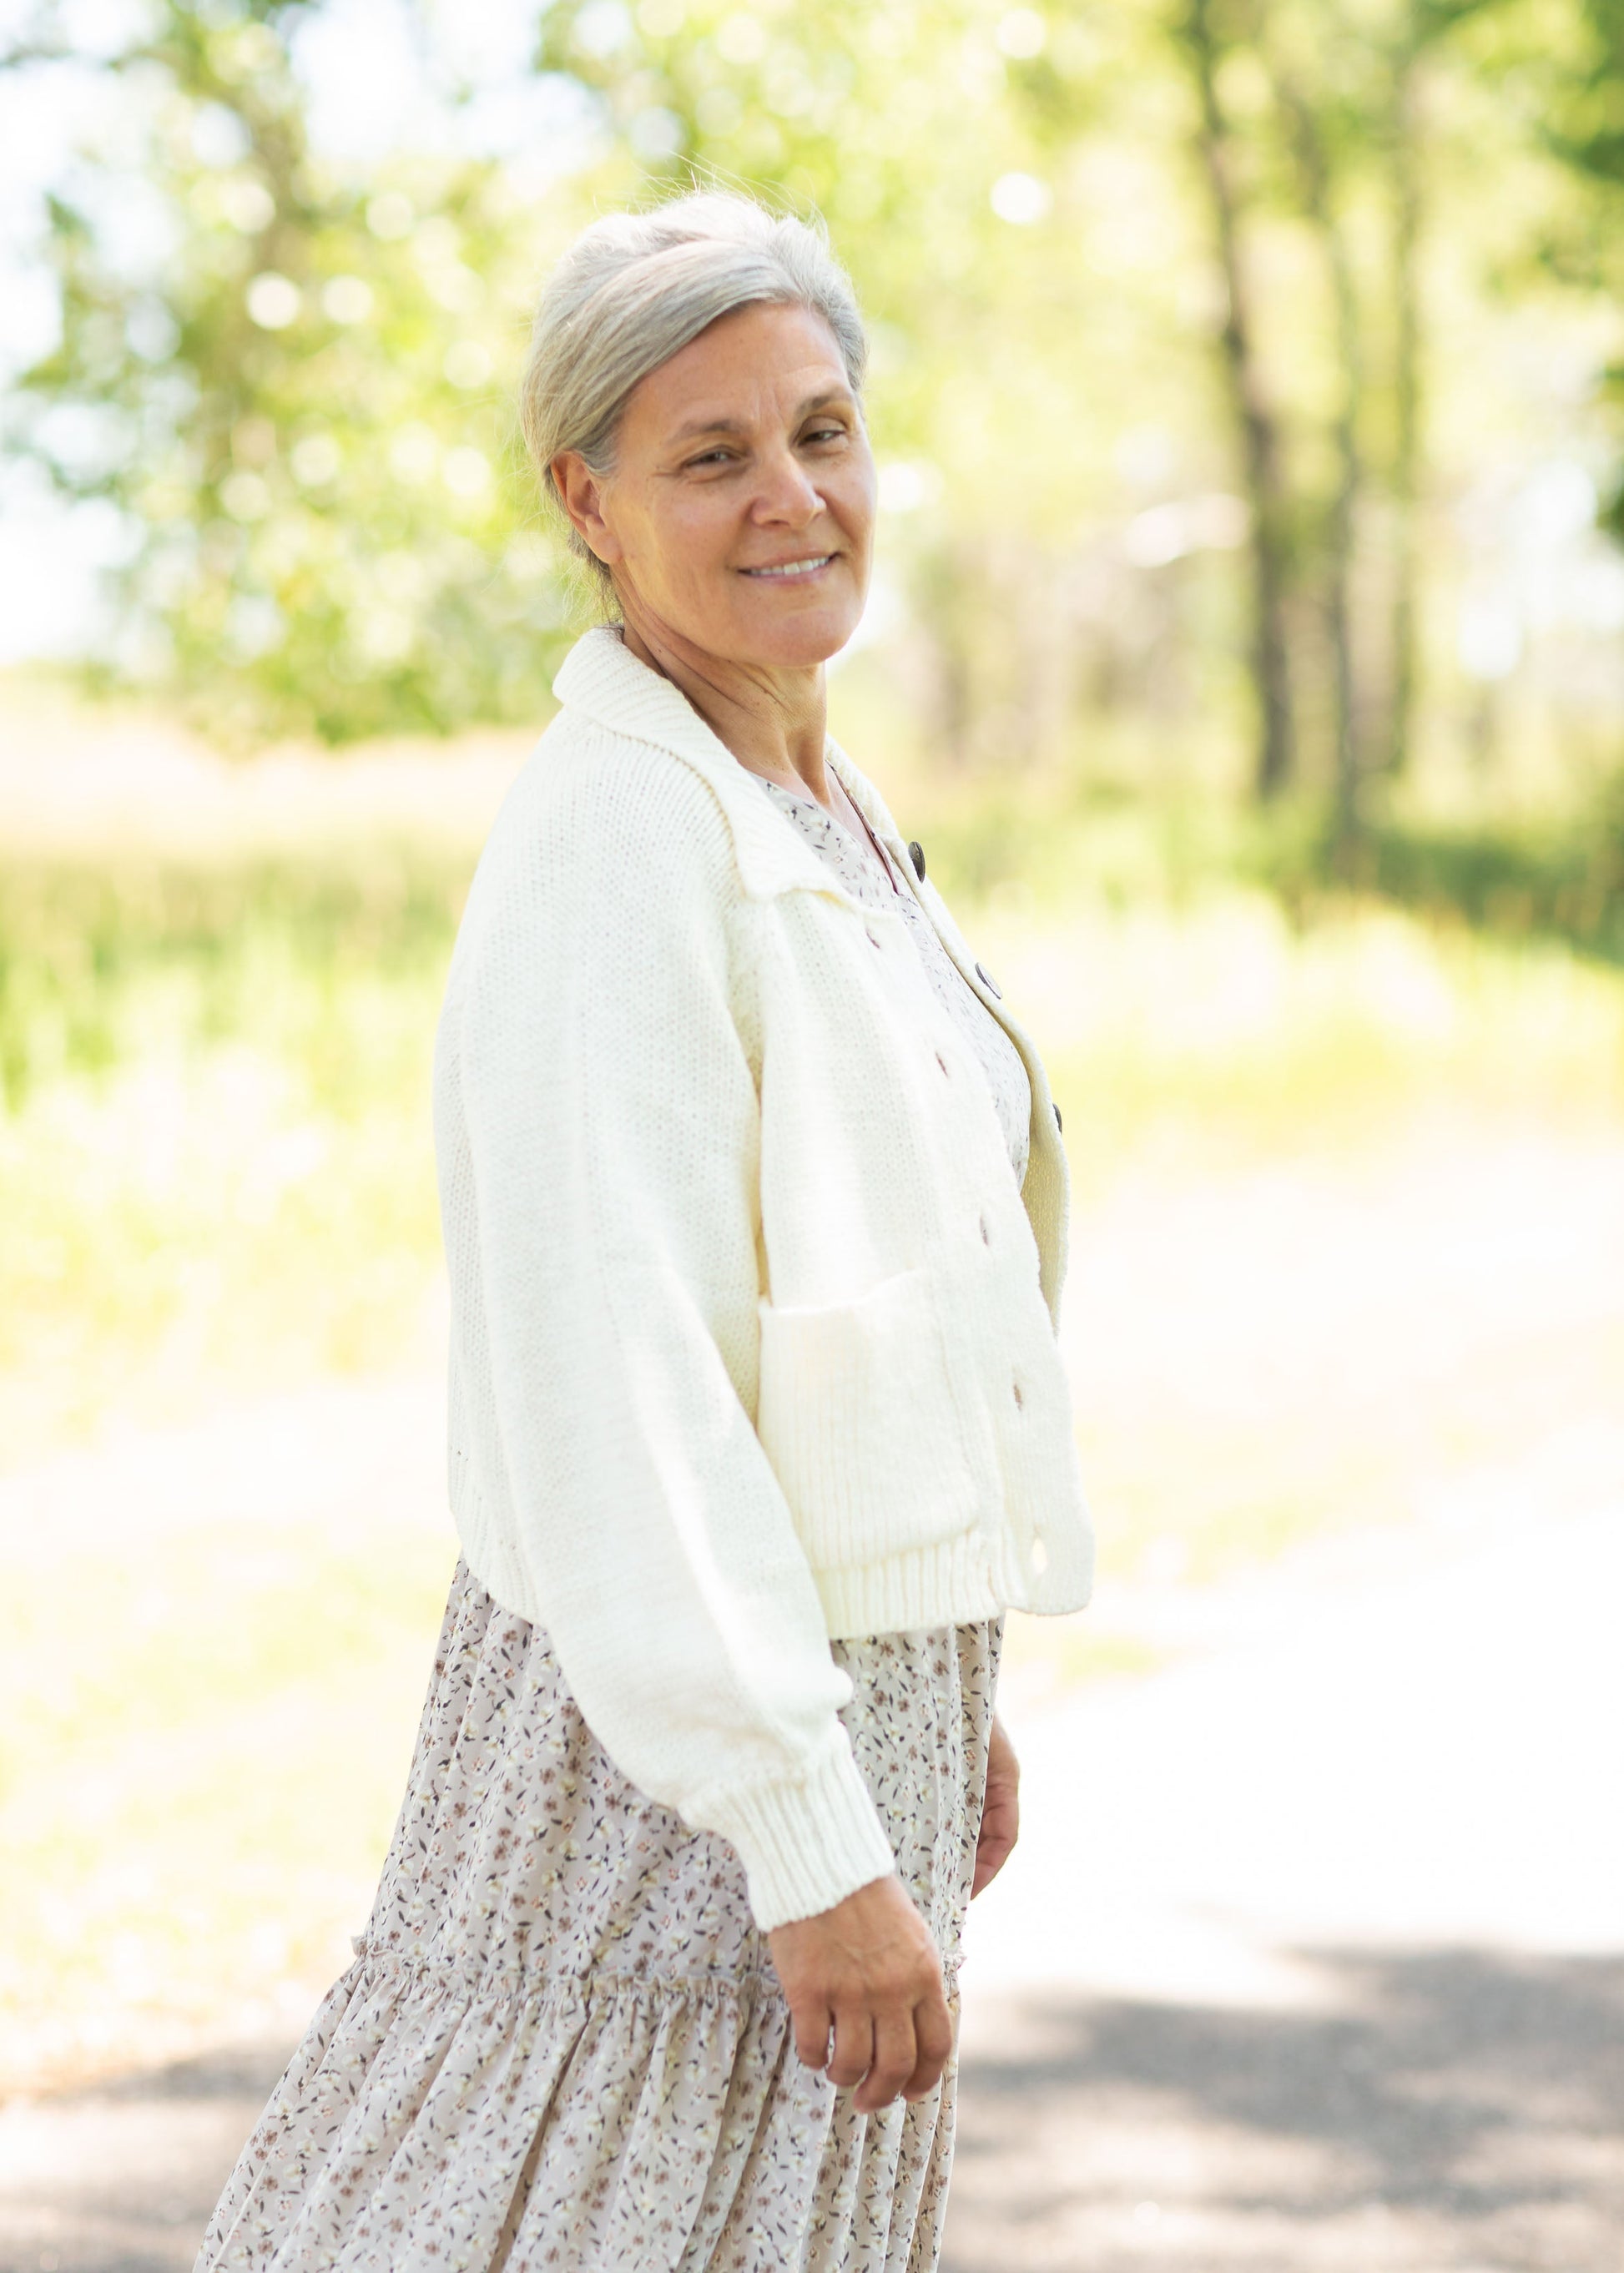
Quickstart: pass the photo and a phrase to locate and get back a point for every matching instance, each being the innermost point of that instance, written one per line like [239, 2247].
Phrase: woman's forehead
[738, 372]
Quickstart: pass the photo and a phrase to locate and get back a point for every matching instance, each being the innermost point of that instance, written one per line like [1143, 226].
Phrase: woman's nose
[786, 493]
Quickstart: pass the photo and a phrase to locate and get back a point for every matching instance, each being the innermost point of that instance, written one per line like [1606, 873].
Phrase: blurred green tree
[300, 402]
[1311, 118]
[1209, 40]
[1586, 128]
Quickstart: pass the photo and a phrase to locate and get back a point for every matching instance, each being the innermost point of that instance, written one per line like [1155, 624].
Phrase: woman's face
[738, 518]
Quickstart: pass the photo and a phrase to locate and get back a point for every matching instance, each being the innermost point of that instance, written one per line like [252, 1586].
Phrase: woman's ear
[580, 492]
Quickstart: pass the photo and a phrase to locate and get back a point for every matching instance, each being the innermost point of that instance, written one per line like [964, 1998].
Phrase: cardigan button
[989, 983]
[1040, 1557]
[916, 853]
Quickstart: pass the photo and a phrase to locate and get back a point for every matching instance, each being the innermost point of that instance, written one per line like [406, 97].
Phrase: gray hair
[635, 288]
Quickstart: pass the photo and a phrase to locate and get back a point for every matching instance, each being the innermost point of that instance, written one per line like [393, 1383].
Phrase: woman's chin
[801, 638]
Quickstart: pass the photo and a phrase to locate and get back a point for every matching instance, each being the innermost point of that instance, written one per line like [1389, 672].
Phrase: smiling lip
[786, 570]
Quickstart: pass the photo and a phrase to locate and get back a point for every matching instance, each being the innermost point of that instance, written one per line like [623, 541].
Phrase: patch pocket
[858, 1415]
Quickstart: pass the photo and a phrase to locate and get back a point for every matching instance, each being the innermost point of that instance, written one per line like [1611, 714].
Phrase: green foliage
[1558, 878]
[214, 1148]
[1587, 127]
[303, 408]
[1565, 882]
[93, 951]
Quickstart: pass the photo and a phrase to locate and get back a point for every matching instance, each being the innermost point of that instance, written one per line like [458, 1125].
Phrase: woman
[754, 1209]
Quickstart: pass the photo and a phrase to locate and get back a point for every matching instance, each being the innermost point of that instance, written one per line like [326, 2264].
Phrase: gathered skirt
[561, 2044]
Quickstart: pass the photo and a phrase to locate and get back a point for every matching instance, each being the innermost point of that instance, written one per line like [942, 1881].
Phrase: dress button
[916, 853]
[989, 982]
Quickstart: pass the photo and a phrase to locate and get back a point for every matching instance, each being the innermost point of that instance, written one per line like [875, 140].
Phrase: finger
[895, 2055]
[995, 1844]
[853, 2051]
[991, 1855]
[813, 2024]
[933, 2046]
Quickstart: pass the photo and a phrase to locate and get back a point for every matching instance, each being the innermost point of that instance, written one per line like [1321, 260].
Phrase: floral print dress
[561, 2044]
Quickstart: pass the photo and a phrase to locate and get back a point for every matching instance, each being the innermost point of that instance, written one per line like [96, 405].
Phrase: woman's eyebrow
[830, 397]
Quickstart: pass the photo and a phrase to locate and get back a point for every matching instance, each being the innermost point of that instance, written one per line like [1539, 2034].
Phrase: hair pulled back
[635, 288]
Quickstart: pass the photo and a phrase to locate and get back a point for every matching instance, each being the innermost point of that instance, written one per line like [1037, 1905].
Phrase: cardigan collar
[601, 679]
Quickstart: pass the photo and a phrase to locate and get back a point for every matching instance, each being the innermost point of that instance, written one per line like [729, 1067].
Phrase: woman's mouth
[789, 570]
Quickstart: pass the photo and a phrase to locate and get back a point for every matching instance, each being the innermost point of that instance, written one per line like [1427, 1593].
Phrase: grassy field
[222, 1551]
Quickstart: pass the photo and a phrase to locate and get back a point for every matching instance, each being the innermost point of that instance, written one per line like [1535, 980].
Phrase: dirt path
[1458, 2110]
[1316, 1955]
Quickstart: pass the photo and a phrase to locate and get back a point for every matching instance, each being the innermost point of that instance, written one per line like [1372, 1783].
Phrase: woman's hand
[1000, 1809]
[867, 1975]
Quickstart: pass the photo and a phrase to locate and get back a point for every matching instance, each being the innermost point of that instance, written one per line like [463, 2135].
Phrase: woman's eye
[723, 456]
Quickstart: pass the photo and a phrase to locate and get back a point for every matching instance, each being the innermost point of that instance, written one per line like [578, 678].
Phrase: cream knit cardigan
[752, 1337]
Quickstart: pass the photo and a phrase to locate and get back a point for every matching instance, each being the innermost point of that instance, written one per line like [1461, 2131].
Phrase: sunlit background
[1247, 651]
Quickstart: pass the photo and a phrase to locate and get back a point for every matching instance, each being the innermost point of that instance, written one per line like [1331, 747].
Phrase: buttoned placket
[888, 922]
[952, 1042]
[908, 873]
[985, 987]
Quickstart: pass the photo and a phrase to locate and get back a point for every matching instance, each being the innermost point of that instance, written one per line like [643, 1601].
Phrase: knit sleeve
[611, 1124]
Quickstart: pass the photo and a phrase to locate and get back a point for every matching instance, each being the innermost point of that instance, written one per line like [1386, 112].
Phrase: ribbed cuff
[805, 1845]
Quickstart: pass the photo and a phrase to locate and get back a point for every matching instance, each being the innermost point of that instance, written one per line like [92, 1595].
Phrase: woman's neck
[774, 722]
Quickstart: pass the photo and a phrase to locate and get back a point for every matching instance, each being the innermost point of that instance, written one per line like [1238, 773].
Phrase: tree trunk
[1256, 425]
[1407, 407]
[1314, 172]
